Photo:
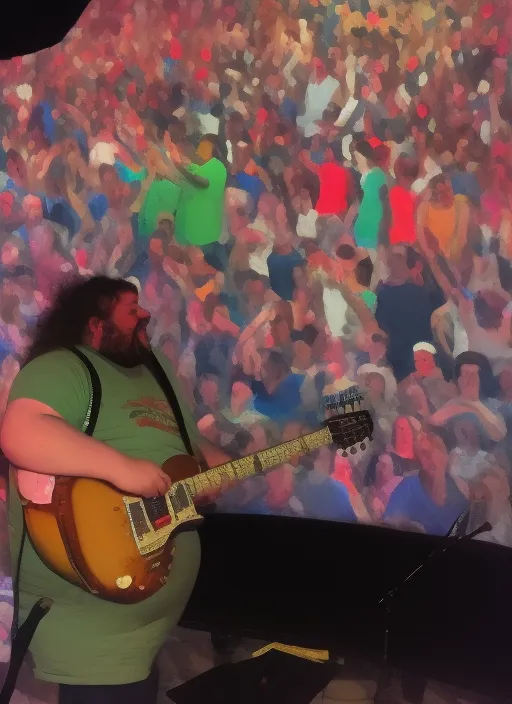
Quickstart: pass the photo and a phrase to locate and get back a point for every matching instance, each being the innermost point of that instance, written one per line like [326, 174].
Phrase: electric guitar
[120, 548]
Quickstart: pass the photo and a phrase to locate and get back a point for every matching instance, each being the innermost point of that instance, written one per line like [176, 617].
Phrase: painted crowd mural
[310, 196]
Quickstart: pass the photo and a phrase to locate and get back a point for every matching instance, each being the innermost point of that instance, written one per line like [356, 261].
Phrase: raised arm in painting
[182, 170]
[421, 230]
[308, 163]
[359, 307]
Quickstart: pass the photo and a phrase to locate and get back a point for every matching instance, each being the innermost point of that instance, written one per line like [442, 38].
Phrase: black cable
[20, 636]
[20, 645]
[15, 583]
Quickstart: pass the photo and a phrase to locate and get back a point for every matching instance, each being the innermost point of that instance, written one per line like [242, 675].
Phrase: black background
[318, 583]
[28, 26]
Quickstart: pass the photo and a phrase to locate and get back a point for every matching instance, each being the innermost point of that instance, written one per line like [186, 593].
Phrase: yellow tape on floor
[306, 653]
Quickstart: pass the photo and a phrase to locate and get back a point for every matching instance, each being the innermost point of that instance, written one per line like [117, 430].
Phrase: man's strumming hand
[141, 478]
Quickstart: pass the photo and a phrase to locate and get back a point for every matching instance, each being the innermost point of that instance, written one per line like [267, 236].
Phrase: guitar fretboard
[236, 470]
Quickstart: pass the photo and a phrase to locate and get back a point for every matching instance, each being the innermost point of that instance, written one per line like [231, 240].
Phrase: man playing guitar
[97, 651]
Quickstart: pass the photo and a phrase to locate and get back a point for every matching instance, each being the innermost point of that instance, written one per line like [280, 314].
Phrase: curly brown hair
[63, 325]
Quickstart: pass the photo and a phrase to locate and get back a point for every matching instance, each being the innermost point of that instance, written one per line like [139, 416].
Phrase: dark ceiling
[28, 26]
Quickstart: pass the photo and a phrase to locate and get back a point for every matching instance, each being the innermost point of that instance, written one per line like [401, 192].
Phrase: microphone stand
[385, 693]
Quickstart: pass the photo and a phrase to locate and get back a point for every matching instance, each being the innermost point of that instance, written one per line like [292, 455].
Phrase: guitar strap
[161, 378]
[95, 400]
[156, 369]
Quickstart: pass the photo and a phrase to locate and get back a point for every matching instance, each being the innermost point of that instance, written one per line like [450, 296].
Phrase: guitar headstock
[352, 427]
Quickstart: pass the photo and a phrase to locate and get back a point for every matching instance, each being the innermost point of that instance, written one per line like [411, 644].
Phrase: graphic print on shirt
[149, 412]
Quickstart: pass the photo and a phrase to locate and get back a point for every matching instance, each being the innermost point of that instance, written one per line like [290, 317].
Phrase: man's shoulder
[58, 359]
[50, 374]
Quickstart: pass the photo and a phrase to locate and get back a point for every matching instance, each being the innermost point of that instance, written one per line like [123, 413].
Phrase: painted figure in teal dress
[369, 217]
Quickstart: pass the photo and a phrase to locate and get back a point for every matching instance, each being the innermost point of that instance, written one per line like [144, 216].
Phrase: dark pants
[413, 687]
[144, 692]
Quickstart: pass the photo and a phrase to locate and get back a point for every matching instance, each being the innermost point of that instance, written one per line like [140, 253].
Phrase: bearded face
[123, 337]
[124, 348]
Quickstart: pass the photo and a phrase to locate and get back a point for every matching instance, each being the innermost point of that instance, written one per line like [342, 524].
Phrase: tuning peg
[344, 453]
[363, 446]
[353, 450]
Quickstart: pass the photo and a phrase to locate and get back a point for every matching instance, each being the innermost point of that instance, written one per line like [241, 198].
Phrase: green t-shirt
[84, 640]
[161, 199]
[200, 210]
[366, 228]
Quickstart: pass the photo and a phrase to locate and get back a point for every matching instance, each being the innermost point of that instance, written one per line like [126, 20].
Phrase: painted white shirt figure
[258, 258]
[306, 224]
[318, 97]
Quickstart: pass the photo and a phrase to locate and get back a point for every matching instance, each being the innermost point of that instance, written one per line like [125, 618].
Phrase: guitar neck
[249, 466]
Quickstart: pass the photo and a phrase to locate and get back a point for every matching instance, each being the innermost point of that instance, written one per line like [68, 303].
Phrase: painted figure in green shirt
[373, 183]
[201, 205]
[161, 201]
[84, 640]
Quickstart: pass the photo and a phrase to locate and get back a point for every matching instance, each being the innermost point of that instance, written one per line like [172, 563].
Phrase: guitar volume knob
[124, 582]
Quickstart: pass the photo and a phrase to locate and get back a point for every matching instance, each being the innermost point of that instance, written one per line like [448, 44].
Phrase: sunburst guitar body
[120, 548]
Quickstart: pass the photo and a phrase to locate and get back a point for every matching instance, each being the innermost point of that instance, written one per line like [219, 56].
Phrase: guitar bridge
[154, 520]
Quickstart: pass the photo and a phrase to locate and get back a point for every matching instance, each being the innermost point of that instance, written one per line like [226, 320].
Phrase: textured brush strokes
[355, 230]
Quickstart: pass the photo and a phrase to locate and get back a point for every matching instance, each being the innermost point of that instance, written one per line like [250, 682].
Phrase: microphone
[484, 528]
[447, 544]
[450, 542]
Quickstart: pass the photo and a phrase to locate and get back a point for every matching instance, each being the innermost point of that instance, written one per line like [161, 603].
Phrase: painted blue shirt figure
[278, 395]
[59, 211]
[98, 206]
[49, 124]
[247, 497]
[412, 501]
[404, 310]
[466, 184]
[289, 109]
[280, 269]
[323, 498]
[283, 403]
[253, 185]
[430, 499]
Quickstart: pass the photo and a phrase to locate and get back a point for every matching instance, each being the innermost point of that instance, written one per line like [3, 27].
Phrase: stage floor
[189, 653]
